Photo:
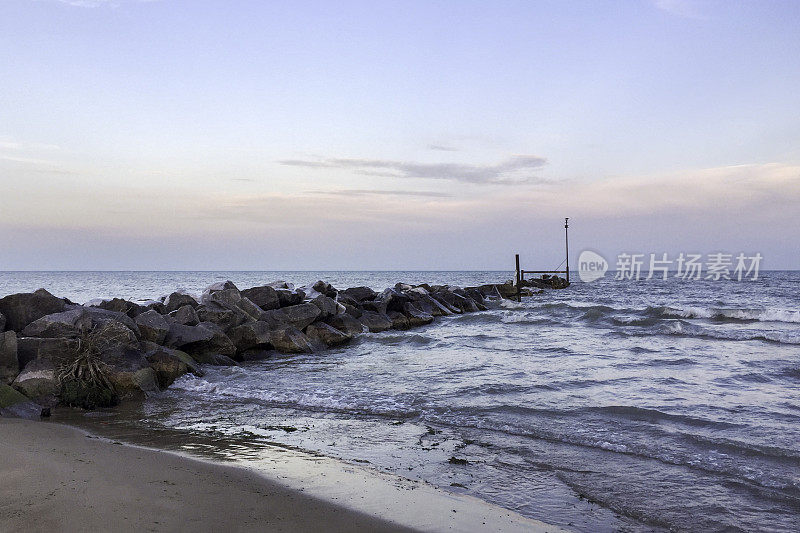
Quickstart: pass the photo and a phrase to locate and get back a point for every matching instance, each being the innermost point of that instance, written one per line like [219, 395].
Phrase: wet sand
[56, 478]
[60, 478]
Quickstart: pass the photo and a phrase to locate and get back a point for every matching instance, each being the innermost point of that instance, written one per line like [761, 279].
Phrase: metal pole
[519, 296]
[566, 243]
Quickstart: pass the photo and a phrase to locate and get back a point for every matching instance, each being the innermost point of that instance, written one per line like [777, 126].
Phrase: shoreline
[61, 477]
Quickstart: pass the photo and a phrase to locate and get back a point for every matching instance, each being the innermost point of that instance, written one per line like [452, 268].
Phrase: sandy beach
[57, 478]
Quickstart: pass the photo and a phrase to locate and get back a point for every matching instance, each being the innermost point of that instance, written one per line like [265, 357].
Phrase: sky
[379, 135]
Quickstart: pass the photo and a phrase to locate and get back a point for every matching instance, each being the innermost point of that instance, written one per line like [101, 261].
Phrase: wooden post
[519, 295]
[566, 243]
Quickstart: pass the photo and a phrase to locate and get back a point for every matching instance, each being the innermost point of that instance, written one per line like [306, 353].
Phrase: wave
[724, 315]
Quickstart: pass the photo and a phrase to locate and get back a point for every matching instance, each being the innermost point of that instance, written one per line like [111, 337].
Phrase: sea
[615, 405]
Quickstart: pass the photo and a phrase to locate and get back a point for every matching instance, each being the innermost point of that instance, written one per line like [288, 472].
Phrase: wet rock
[220, 286]
[202, 342]
[347, 324]
[178, 299]
[290, 340]
[251, 335]
[22, 309]
[425, 303]
[415, 316]
[325, 335]
[57, 350]
[9, 363]
[375, 322]
[226, 319]
[15, 404]
[393, 299]
[218, 359]
[288, 298]
[74, 321]
[296, 316]
[2, 322]
[39, 382]
[265, 297]
[325, 289]
[399, 320]
[359, 294]
[327, 306]
[153, 326]
[185, 315]
[150, 348]
[167, 367]
[353, 311]
[401, 287]
[119, 305]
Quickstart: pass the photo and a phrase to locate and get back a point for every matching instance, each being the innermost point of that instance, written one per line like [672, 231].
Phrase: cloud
[511, 171]
[375, 192]
[442, 148]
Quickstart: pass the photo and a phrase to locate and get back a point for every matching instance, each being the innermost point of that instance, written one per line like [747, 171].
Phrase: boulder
[153, 326]
[185, 315]
[347, 324]
[15, 404]
[450, 300]
[119, 305]
[68, 323]
[265, 297]
[178, 299]
[9, 363]
[39, 382]
[399, 320]
[353, 311]
[288, 298]
[415, 316]
[220, 286]
[392, 300]
[58, 351]
[2, 322]
[150, 348]
[226, 319]
[155, 306]
[325, 289]
[402, 287]
[327, 306]
[424, 302]
[280, 284]
[202, 342]
[22, 309]
[251, 335]
[324, 335]
[375, 322]
[290, 340]
[359, 294]
[296, 316]
[167, 367]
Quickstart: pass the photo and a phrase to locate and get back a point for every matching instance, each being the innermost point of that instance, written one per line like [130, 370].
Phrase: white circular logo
[591, 266]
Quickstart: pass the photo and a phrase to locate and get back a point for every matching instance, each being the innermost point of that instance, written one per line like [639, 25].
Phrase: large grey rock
[327, 306]
[68, 323]
[324, 335]
[296, 316]
[153, 326]
[202, 342]
[151, 348]
[15, 404]
[2, 322]
[251, 335]
[291, 340]
[22, 309]
[424, 302]
[375, 322]
[415, 316]
[58, 350]
[393, 300]
[9, 363]
[178, 299]
[119, 305]
[290, 297]
[167, 366]
[265, 297]
[346, 324]
[399, 320]
[359, 293]
[226, 319]
[325, 289]
[186, 315]
[39, 382]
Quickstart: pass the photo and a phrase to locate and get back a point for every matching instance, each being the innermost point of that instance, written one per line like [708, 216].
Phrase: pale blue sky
[417, 135]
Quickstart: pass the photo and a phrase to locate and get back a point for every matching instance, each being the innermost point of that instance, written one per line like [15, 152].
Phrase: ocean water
[613, 405]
